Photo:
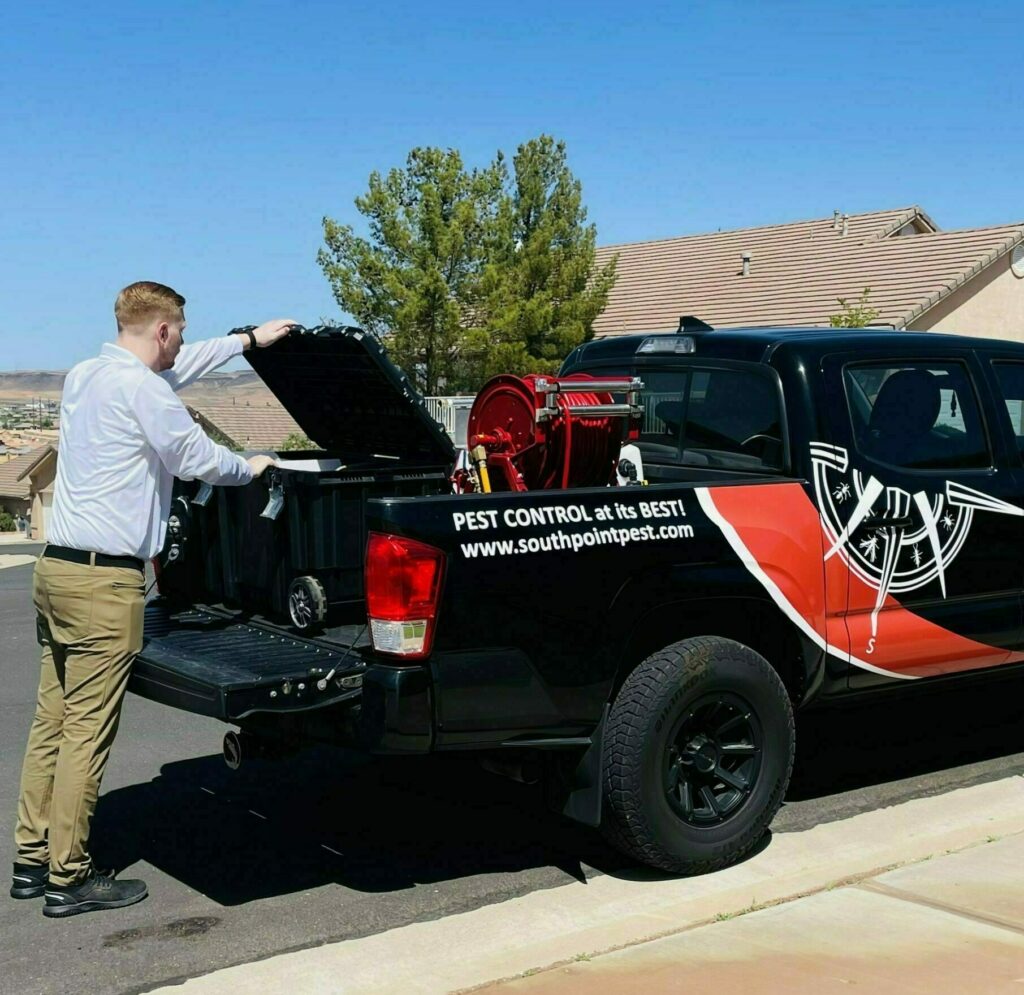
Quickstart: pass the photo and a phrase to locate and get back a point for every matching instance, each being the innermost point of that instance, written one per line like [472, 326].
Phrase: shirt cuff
[237, 344]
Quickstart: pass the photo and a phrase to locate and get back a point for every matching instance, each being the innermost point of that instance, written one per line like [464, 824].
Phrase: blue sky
[200, 144]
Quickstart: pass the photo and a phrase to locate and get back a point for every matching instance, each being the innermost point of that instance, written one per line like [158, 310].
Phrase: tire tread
[625, 825]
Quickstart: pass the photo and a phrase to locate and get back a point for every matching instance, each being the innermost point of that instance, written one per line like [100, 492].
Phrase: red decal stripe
[779, 530]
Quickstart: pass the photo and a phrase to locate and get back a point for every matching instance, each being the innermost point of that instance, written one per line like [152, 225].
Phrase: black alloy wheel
[713, 759]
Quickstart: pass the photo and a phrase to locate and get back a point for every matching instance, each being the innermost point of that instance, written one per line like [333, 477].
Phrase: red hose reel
[539, 432]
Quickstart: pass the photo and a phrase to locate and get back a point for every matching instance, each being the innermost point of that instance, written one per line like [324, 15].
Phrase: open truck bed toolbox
[291, 544]
[217, 664]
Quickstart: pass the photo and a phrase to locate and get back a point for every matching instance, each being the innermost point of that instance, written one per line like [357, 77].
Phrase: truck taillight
[403, 589]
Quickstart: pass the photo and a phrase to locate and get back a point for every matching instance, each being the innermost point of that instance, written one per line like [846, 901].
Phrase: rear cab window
[725, 417]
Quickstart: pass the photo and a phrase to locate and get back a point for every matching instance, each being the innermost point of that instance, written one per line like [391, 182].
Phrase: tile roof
[797, 272]
[11, 486]
[262, 426]
[39, 455]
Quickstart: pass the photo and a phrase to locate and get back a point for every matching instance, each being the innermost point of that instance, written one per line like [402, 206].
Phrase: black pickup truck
[818, 514]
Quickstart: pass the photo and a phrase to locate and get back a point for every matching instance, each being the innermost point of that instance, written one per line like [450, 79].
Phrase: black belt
[101, 559]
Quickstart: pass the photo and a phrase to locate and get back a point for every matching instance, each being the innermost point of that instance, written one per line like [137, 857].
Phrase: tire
[689, 715]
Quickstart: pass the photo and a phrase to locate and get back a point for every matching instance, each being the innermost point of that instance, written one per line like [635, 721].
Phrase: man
[124, 436]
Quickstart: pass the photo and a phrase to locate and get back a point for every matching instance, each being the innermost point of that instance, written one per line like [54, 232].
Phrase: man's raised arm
[195, 360]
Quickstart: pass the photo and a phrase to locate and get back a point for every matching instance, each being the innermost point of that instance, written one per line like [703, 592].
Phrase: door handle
[881, 522]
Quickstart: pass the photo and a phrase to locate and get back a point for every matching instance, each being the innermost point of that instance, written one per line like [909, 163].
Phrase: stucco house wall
[990, 305]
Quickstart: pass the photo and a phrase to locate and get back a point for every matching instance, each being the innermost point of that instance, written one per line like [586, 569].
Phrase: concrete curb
[606, 913]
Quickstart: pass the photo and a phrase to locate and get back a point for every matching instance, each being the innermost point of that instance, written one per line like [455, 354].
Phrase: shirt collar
[110, 350]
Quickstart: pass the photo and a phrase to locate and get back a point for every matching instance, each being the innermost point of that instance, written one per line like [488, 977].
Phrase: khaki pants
[89, 625]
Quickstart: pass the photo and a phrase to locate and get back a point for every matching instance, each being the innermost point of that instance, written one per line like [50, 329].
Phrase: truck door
[914, 507]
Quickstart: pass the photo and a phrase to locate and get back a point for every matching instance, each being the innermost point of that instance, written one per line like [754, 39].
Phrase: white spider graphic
[947, 521]
[916, 556]
[842, 492]
[869, 547]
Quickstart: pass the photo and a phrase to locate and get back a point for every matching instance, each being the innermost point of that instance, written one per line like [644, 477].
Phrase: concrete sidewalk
[954, 923]
[15, 559]
[836, 911]
[16, 551]
[17, 539]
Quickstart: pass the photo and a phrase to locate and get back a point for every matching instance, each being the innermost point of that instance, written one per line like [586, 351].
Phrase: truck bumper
[396, 711]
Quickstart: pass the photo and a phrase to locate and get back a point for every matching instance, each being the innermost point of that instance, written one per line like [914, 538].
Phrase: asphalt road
[330, 845]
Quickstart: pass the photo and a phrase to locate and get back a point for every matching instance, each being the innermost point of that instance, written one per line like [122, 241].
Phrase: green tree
[860, 314]
[296, 442]
[469, 273]
[539, 293]
[410, 280]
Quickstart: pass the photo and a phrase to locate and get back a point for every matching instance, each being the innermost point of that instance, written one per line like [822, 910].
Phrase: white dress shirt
[124, 437]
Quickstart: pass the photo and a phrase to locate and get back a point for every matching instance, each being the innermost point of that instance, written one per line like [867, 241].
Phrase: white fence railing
[452, 413]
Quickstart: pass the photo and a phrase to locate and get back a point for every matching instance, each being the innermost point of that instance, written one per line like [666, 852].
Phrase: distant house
[969, 281]
[15, 487]
[40, 475]
[243, 426]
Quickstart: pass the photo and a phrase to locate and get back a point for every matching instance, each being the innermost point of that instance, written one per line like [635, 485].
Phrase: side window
[711, 417]
[1011, 384]
[920, 416]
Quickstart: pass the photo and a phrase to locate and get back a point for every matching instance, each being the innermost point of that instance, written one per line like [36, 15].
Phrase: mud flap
[585, 788]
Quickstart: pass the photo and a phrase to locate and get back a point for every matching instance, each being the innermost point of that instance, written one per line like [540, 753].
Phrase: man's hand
[260, 463]
[270, 331]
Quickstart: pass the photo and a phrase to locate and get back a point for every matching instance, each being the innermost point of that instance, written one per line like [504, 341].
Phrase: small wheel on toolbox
[698, 752]
[307, 602]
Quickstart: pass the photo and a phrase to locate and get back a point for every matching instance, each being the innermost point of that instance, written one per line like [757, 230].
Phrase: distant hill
[221, 388]
[32, 383]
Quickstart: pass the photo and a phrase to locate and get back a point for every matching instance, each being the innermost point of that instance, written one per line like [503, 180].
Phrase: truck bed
[217, 663]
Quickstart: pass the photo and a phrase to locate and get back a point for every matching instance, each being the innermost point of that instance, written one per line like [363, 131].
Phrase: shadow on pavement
[386, 824]
[330, 816]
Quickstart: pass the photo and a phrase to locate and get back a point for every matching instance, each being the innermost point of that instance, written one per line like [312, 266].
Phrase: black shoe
[94, 894]
[29, 880]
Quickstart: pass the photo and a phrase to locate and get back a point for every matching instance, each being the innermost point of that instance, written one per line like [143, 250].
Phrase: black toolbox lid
[349, 398]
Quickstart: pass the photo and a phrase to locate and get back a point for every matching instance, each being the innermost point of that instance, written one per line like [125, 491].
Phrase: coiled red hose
[565, 450]
[588, 449]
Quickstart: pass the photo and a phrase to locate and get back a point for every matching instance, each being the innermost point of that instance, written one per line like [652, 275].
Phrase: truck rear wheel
[698, 752]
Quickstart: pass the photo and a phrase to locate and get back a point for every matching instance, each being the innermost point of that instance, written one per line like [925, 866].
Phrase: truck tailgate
[215, 664]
